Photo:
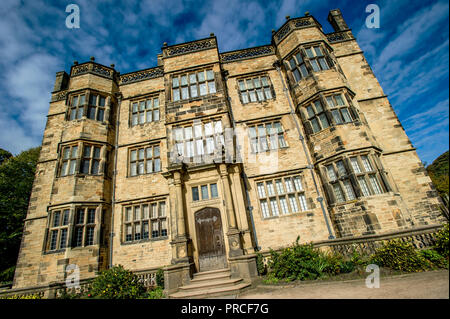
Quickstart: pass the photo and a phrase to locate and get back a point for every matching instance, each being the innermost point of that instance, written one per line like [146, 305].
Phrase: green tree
[4, 155]
[438, 172]
[16, 180]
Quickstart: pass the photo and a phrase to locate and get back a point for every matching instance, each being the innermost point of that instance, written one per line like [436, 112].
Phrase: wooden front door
[210, 243]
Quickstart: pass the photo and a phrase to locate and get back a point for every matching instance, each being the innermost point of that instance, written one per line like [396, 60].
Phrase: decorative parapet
[292, 24]
[141, 75]
[189, 47]
[59, 96]
[340, 36]
[247, 53]
[93, 68]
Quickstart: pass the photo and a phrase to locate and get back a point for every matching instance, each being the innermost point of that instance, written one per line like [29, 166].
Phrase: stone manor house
[195, 164]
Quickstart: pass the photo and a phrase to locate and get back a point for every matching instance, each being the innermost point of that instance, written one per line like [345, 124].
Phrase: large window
[317, 116]
[84, 227]
[317, 58]
[199, 139]
[77, 103]
[193, 85]
[281, 196]
[298, 67]
[353, 177]
[145, 160]
[145, 111]
[144, 221]
[58, 229]
[95, 108]
[339, 109]
[327, 111]
[306, 60]
[90, 162]
[257, 89]
[266, 136]
[81, 230]
[90, 158]
[204, 192]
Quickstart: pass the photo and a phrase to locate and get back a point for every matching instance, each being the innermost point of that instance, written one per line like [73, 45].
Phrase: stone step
[217, 276]
[211, 272]
[202, 285]
[211, 292]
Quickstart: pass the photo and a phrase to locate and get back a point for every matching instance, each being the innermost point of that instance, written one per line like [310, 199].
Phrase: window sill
[205, 202]
[144, 124]
[87, 119]
[194, 99]
[257, 102]
[143, 175]
[144, 241]
[289, 215]
[269, 151]
[360, 199]
[81, 175]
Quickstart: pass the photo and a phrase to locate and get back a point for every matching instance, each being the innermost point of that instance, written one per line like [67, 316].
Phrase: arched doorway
[210, 242]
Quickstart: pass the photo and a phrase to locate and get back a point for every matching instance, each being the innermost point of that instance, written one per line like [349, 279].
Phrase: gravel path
[426, 285]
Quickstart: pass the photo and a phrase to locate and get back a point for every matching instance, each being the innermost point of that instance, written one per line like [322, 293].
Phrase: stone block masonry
[129, 162]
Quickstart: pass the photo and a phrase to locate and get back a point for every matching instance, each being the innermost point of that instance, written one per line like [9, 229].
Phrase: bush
[260, 266]
[7, 275]
[399, 255]
[434, 258]
[116, 283]
[156, 293]
[441, 245]
[298, 262]
[160, 278]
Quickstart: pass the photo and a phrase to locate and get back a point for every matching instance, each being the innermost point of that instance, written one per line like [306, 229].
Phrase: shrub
[7, 275]
[261, 267]
[116, 283]
[160, 278]
[434, 258]
[156, 293]
[298, 262]
[441, 244]
[399, 255]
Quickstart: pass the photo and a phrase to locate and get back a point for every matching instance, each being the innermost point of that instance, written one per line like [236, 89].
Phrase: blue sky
[408, 53]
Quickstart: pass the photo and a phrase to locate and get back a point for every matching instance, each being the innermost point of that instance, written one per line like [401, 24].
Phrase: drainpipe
[113, 201]
[243, 175]
[302, 139]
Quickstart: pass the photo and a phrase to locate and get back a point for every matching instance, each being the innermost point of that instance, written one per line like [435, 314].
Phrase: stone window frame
[78, 158]
[245, 92]
[281, 201]
[344, 110]
[189, 141]
[58, 227]
[209, 189]
[137, 111]
[145, 221]
[193, 90]
[304, 61]
[86, 225]
[82, 108]
[145, 159]
[347, 184]
[271, 136]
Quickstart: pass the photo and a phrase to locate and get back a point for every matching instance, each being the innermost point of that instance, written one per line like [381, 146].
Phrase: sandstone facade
[203, 159]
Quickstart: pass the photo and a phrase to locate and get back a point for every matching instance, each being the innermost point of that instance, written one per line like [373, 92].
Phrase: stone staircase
[210, 284]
